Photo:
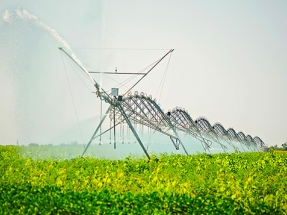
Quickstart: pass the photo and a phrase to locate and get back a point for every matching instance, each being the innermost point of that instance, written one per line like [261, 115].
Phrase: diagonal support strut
[132, 129]
[96, 131]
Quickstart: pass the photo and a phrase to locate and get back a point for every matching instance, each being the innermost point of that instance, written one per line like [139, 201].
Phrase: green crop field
[238, 183]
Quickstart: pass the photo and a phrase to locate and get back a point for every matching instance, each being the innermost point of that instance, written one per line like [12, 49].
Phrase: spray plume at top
[26, 16]
[7, 17]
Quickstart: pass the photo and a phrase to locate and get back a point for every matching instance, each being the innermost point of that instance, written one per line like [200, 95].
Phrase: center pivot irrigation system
[143, 110]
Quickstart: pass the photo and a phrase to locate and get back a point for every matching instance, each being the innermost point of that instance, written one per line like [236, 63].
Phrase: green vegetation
[238, 183]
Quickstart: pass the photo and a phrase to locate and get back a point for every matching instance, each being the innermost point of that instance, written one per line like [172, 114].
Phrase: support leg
[133, 130]
[95, 133]
[170, 124]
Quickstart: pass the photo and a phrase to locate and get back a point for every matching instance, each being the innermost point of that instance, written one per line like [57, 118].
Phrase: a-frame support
[129, 124]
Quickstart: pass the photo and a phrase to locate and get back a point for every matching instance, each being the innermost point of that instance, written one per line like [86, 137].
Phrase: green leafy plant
[238, 183]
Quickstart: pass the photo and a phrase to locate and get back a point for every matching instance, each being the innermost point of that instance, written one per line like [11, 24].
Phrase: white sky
[229, 63]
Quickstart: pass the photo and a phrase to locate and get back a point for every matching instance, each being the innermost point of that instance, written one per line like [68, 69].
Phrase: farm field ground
[280, 151]
[237, 183]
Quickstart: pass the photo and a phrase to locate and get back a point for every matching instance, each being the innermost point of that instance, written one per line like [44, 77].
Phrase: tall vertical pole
[114, 127]
[101, 119]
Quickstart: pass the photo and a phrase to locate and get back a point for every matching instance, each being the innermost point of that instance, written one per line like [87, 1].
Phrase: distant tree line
[278, 148]
[73, 143]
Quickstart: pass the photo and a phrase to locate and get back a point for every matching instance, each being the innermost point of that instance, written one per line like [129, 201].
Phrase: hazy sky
[229, 63]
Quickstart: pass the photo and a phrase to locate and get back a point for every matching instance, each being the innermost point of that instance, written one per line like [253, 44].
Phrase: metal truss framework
[141, 109]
